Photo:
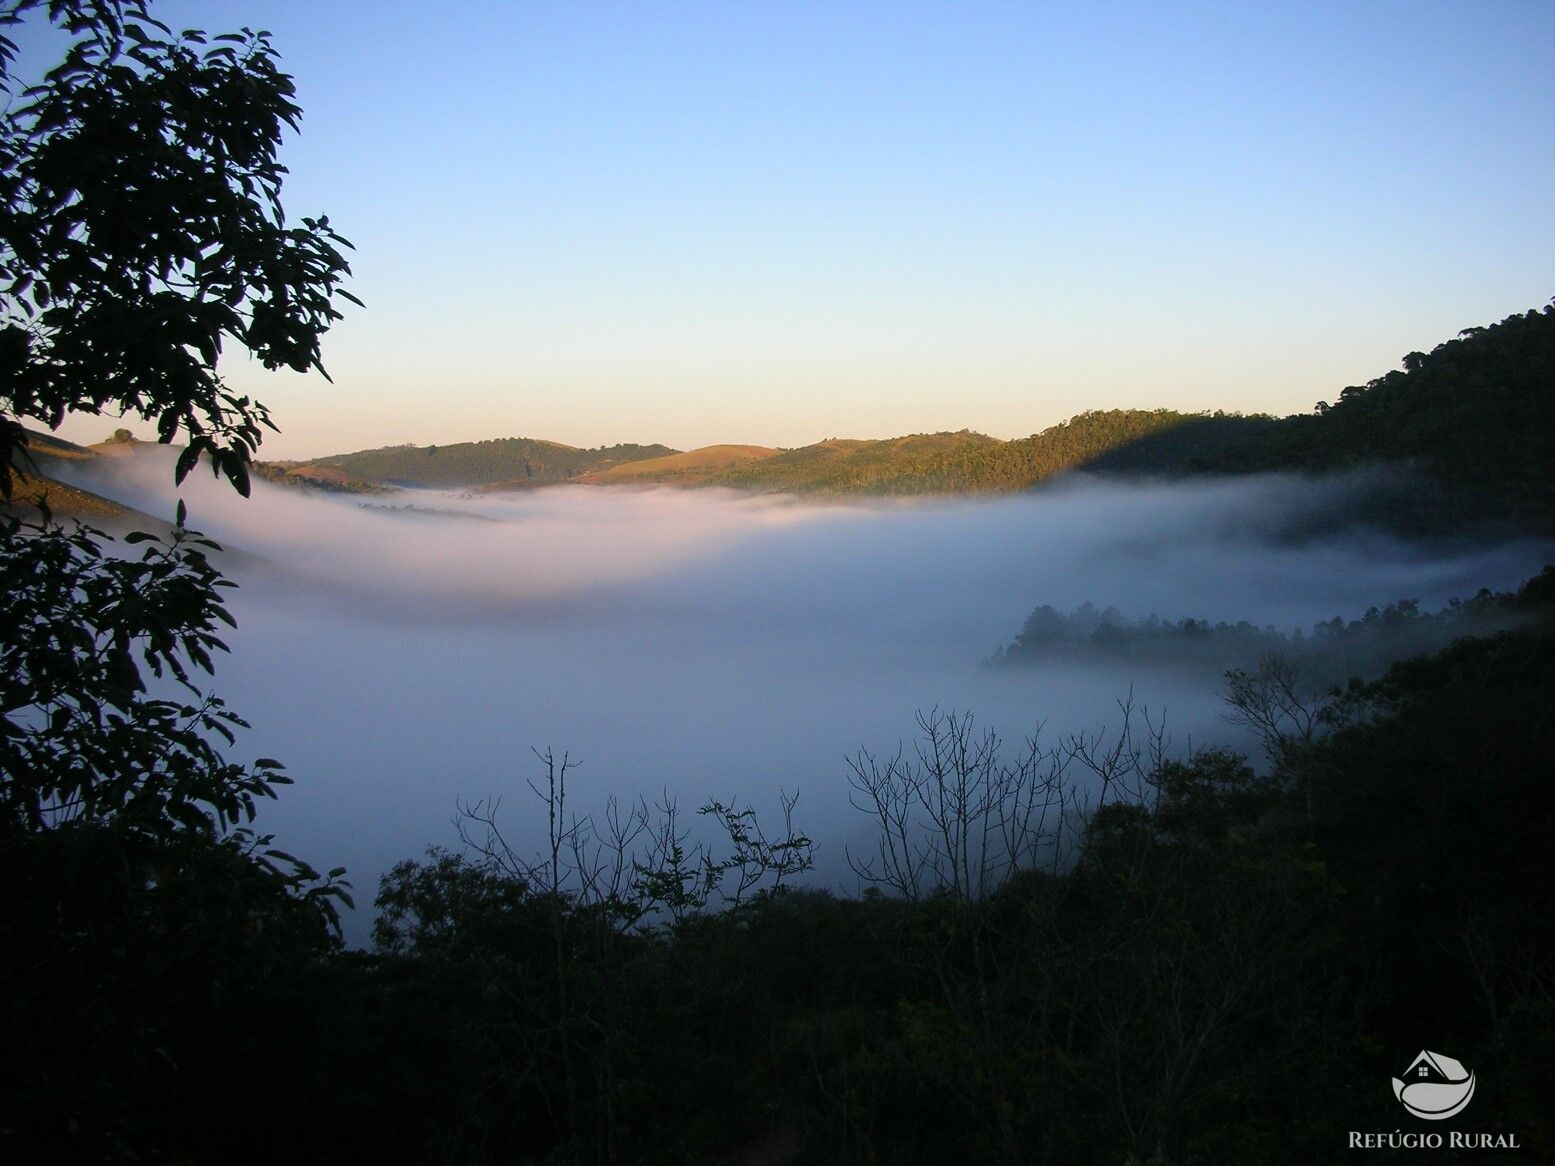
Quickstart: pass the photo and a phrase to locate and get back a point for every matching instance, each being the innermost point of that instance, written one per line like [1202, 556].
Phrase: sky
[773, 224]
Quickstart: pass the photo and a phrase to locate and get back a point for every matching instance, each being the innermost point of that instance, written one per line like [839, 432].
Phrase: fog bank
[403, 651]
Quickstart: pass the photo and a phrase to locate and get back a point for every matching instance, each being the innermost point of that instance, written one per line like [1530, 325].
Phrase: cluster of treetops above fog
[1330, 653]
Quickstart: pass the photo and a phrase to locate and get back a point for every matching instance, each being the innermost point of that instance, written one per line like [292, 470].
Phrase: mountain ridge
[1473, 423]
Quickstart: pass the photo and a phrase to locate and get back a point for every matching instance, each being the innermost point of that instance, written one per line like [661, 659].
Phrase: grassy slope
[682, 469]
[513, 463]
[29, 490]
[948, 463]
[35, 485]
[310, 475]
[844, 466]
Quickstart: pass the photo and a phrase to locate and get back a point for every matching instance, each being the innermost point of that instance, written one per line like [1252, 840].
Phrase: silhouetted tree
[141, 229]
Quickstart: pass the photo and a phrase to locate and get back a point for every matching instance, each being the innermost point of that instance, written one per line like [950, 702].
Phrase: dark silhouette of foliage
[141, 229]
[1331, 652]
[1190, 959]
[147, 932]
[82, 738]
[136, 889]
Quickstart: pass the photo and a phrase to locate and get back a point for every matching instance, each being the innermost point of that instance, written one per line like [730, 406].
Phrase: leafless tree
[958, 819]
[954, 817]
[633, 868]
[1286, 710]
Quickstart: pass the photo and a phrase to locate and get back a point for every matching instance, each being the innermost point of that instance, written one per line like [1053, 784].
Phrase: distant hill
[516, 462]
[1026, 461]
[1474, 417]
[848, 466]
[310, 475]
[694, 467]
[947, 463]
[47, 445]
[962, 462]
[35, 485]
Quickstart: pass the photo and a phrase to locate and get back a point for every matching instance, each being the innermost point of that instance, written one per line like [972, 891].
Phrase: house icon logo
[1434, 1087]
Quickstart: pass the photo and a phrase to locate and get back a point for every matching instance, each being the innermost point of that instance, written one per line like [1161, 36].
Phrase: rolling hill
[691, 468]
[921, 463]
[1473, 421]
[518, 462]
[947, 463]
[34, 486]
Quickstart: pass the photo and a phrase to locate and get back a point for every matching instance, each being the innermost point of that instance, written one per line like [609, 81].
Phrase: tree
[141, 229]
[548, 952]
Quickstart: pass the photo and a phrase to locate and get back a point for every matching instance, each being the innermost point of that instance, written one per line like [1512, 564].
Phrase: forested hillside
[691, 468]
[1474, 417]
[1478, 409]
[897, 465]
[1329, 654]
[923, 463]
[1018, 464]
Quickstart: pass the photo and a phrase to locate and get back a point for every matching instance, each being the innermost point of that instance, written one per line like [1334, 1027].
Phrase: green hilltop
[515, 461]
[694, 467]
[945, 463]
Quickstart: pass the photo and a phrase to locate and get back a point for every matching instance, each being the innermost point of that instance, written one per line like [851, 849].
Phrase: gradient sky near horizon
[776, 223]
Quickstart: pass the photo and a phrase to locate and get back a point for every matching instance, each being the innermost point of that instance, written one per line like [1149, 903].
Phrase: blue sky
[776, 223]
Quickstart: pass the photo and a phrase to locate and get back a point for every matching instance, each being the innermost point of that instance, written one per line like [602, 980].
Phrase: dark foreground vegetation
[1089, 952]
